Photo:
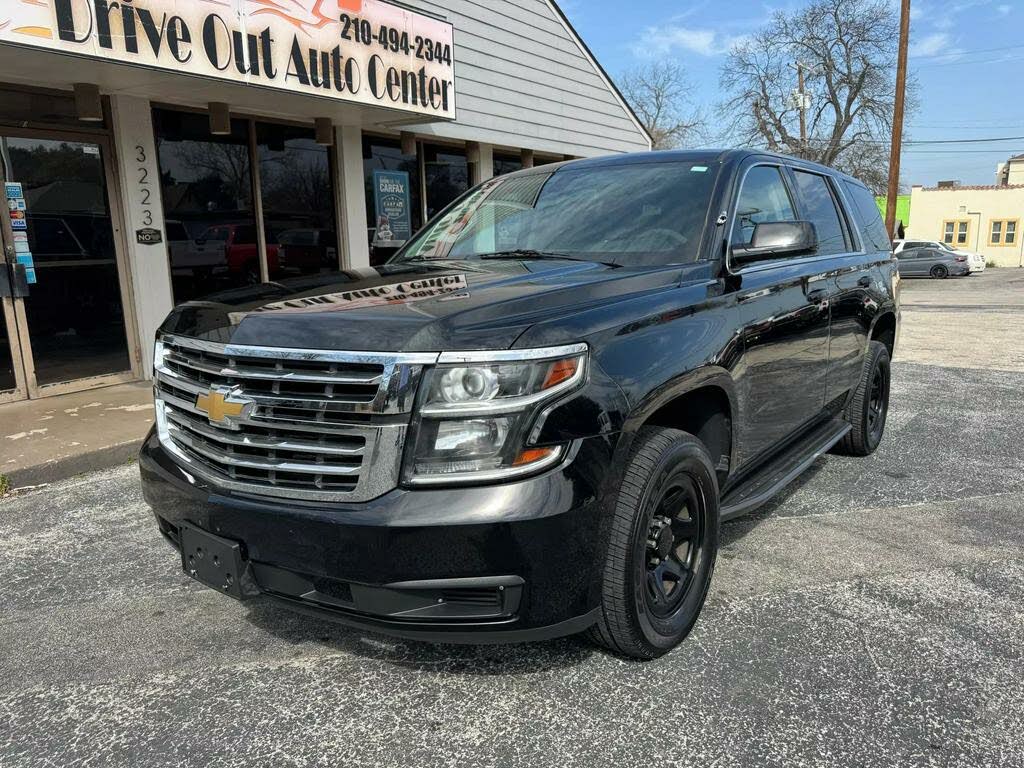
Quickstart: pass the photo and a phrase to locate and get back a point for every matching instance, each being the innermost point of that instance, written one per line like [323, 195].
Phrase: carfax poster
[393, 203]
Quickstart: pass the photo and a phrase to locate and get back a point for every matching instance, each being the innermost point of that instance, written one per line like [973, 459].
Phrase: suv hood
[412, 307]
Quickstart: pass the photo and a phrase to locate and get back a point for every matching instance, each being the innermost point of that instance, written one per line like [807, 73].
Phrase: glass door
[71, 324]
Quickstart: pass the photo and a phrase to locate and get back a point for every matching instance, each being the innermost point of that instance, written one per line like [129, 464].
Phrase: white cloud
[1005, 9]
[662, 41]
[930, 45]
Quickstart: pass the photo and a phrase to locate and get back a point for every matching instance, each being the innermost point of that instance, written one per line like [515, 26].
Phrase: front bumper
[518, 561]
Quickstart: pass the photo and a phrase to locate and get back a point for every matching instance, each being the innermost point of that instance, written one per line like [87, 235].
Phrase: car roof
[709, 156]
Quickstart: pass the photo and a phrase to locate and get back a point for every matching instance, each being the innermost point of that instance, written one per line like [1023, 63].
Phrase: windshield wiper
[529, 253]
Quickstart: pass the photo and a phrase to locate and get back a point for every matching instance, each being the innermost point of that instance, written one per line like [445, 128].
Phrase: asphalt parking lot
[873, 615]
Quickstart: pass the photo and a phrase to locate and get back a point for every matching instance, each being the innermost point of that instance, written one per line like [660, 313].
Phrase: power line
[999, 153]
[970, 62]
[932, 142]
[966, 141]
[1019, 126]
[964, 53]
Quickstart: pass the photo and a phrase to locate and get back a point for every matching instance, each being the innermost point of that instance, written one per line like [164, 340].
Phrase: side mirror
[777, 238]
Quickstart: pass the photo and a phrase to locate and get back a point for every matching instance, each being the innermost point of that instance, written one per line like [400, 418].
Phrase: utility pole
[802, 96]
[897, 120]
[803, 108]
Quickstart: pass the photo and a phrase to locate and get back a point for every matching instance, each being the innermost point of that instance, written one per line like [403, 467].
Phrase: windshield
[631, 215]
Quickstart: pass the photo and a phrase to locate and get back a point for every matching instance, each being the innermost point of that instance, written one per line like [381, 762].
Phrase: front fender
[690, 381]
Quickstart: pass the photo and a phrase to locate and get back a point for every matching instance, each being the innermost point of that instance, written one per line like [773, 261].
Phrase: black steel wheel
[868, 409]
[939, 272]
[663, 541]
[673, 546]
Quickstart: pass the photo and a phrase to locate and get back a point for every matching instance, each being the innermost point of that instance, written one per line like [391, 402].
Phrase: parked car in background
[932, 262]
[305, 251]
[189, 258]
[236, 244]
[975, 261]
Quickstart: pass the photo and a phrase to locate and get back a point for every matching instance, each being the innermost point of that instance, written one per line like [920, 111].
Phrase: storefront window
[207, 194]
[298, 202]
[447, 176]
[381, 154]
[505, 164]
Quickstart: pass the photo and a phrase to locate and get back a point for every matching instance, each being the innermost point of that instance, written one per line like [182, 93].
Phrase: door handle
[865, 282]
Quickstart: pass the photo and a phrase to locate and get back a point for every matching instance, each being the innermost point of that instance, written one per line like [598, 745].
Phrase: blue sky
[967, 56]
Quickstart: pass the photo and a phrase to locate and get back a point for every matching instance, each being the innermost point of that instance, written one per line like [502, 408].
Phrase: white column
[355, 246]
[139, 176]
[484, 168]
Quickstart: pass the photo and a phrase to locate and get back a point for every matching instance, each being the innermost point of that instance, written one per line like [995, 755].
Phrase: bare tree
[658, 93]
[847, 50]
[228, 163]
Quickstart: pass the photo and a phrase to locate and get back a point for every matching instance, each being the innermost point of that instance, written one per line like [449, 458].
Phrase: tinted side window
[245, 235]
[820, 209]
[763, 199]
[176, 232]
[869, 220]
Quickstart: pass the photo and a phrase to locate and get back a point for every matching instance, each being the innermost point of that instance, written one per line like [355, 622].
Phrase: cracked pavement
[871, 615]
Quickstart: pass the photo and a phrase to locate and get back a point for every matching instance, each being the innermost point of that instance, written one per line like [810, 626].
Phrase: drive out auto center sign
[363, 51]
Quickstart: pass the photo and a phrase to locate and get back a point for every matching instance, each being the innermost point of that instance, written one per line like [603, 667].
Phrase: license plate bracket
[212, 560]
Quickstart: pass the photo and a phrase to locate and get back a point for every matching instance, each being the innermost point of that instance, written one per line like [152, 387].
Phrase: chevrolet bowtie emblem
[222, 406]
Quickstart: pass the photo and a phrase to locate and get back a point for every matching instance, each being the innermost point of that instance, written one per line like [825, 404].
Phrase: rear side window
[245, 235]
[176, 232]
[764, 199]
[869, 220]
[820, 209]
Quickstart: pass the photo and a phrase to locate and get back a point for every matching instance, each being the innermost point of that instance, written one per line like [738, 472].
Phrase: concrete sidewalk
[42, 441]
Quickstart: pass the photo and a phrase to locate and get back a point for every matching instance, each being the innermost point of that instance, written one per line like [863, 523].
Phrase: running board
[782, 470]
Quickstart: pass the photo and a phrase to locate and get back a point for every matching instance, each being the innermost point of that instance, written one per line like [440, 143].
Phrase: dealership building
[155, 151]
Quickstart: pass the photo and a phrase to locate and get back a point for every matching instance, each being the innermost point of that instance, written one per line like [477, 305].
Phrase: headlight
[159, 353]
[477, 409]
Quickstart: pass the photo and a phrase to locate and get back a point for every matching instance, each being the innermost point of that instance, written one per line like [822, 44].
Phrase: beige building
[1011, 172]
[982, 219]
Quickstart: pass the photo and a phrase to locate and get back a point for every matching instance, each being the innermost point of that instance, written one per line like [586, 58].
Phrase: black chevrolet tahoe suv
[532, 421]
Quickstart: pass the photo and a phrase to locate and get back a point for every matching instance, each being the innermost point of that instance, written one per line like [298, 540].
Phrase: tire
[668, 472]
[251, 275]
[865, 414]
[939, 272]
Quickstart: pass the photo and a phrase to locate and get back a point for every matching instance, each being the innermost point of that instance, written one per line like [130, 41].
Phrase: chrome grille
[314, 425]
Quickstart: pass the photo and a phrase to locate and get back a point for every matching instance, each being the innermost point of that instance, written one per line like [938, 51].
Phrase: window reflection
[643, 214]
[381, 154]
[505, 164]
[75, 316]
[207, 195]
[447, 176]
[298, 202]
